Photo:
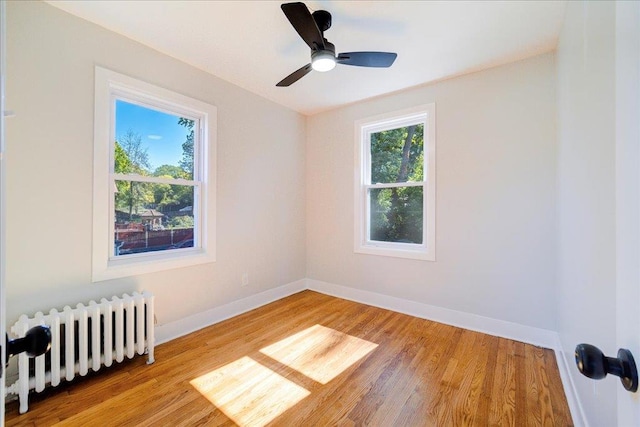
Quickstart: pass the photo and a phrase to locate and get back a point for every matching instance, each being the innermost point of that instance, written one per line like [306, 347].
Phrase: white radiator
[83, 338]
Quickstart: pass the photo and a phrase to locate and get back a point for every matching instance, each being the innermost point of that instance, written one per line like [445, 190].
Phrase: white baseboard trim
[178, 328]
[570, 391]
[501, 328]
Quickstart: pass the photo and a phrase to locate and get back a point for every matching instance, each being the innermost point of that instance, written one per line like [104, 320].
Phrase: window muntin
[178, 179]
[395, 184]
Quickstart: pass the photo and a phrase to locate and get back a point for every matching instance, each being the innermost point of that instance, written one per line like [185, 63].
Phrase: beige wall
[496, 175]
[261, 163]
[495, 184]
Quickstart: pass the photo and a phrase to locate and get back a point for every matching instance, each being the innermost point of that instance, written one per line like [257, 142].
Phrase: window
[154, 178]
[395, 184]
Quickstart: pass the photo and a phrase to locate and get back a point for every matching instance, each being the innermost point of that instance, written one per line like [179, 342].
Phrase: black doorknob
[594, 364]
[36, 341]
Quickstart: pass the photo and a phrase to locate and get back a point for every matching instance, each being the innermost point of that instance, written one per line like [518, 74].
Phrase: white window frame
[363, 129]
[110, 86]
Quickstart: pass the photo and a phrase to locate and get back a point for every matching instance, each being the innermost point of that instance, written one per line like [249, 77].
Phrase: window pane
[152, 217]
[397, 154]
[396, 214]
[152, 143]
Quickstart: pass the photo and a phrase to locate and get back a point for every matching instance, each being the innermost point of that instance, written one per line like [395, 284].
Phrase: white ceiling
[252, 44]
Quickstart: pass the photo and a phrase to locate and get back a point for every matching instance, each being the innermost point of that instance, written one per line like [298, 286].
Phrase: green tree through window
[131, 157]
[396, 213]
[186, 163]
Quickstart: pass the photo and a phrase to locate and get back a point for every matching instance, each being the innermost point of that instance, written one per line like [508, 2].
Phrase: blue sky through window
[160, 132]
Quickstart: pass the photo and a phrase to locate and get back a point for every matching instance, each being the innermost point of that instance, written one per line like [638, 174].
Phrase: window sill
[422, 255]
[150, 263]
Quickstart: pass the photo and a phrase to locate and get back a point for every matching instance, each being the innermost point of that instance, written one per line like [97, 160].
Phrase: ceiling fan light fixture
[323, 61]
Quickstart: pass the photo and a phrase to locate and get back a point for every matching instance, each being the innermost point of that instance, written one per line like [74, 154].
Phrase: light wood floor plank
[311, 359]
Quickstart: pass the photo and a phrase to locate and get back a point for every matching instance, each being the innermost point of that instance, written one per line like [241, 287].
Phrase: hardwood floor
[312, 359]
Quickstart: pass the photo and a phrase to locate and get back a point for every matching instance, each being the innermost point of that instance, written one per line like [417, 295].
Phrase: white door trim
[2, 204]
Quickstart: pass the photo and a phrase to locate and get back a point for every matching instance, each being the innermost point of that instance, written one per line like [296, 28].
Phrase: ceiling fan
[311, 27]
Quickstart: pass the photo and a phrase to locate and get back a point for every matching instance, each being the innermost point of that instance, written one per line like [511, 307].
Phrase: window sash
[367, 219]
[196, 210]
[368, 131]
[175, 110]
[153, 103]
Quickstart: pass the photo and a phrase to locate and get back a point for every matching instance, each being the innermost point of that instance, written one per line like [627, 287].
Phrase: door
[628, 196]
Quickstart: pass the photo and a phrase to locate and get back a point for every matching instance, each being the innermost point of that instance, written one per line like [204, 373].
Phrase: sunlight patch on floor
[248, 392]
[319, 352]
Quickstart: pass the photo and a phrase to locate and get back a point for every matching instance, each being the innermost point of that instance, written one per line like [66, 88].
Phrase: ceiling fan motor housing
[323, 19]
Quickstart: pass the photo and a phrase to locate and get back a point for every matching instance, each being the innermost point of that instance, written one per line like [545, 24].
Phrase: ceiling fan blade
[295, 76]
[367, 59]
[304, 24]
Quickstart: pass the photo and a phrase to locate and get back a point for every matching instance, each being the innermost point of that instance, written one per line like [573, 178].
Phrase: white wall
[261, 163]
[496, 176]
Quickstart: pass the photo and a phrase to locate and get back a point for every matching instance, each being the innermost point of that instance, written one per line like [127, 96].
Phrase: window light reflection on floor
[251, 394]
[248, 392]
[319, 352]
